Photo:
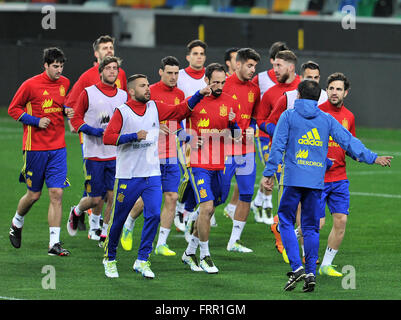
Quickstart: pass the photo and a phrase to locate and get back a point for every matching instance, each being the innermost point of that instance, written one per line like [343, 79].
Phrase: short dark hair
[309, 65]
[107, 60]
[276, 47]
[338, 76]
[212, 68]
[309, 89]
[134, 77]
[53, 54]
[228, 52]
[169, 61]
[102, 39]
[287, 55]
[244, 54]
[196, 43]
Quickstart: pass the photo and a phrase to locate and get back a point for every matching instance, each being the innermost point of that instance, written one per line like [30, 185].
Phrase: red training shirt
[41, 97]
[172, 96]
[338, 170]
[247, 96]
[209, 119]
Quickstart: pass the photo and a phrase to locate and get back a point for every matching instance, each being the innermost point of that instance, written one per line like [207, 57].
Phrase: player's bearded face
[110, 73]
[281, 70]
[142, 91]
[217, 80]
[105, 49]
[336, 92]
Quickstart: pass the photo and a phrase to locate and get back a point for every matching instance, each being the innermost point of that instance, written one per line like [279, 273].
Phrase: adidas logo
[203, 111]
[311, 138]
[45, 93]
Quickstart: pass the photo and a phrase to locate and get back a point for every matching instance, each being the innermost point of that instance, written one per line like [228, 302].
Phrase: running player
[134, 129]
[241, 160]
[102, 47]
[208, 123]
[165, 91]
[190, 79]
[39, 105]
[284, 68]
[93, 111]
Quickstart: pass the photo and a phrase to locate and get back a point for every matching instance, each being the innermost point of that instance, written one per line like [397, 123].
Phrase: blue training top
[302, 135]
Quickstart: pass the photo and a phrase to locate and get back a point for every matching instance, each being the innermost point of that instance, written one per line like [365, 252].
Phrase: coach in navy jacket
[302, 135]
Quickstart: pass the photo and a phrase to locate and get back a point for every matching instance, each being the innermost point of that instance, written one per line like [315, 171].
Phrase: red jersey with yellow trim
[41, 97]
[269, 100]
[247, 97]
[338, 170]
[87, 79]
[209, 119]
[172, 96]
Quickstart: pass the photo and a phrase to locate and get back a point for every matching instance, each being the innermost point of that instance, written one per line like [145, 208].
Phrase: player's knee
[171, 197]
[339, 221]
[34, 196]
[245, 197]
[56, 194]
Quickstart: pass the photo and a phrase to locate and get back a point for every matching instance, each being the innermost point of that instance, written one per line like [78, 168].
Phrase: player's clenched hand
[384, 161]
[69, 112]
[141, 135]
[231, 115]
[268, 183]
[44, 122]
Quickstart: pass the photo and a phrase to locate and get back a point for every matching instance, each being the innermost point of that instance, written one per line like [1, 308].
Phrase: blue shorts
[171, 175]
[207, 185]
[262, 144]
[99, 177]
[244, 169]
[336, 195]
[45, 166]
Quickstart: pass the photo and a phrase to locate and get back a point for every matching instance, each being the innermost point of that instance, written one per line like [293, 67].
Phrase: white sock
[129, 223]
[180, 207]
[267, 202]
[104, 229]
[329, 256]
[303, 250]
[193, 215]
[231, 207]
[94, 222]
[163, 234]
[18, 220]
[192, 245]
[258, 201]
[236, 232]
[204, 249]
[54, 236]
[297, 233]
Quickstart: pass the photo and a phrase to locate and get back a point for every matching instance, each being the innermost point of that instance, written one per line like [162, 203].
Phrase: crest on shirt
[345, 124]
[251, 97]
[223, 111]
[118, 83]
[62, 91]
[176, 101]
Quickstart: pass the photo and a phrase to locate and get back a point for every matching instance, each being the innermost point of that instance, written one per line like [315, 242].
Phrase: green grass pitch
[370, 248]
